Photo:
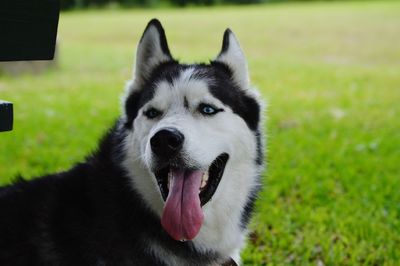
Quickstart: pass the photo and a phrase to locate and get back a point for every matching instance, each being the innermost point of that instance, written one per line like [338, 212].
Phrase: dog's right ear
[152, 50]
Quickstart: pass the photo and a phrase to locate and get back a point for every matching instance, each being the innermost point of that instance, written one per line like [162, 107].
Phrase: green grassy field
[331, 75]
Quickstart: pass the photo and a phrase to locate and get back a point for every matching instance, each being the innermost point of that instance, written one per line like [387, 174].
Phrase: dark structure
[6, 116]
[28, 29]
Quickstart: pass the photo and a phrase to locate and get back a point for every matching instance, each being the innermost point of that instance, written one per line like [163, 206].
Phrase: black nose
[167, 142]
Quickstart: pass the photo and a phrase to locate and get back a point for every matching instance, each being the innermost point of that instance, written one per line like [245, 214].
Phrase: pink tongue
[182, 216]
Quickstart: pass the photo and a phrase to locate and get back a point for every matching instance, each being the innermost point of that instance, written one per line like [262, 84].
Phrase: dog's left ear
[152, 50]
[231, 55]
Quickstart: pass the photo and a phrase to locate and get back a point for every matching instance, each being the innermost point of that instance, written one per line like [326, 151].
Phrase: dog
[173, 182]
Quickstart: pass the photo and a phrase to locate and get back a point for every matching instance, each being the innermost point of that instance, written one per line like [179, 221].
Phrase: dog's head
[193, 147]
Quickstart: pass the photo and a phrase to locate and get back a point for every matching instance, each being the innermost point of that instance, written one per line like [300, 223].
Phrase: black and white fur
[106, 210]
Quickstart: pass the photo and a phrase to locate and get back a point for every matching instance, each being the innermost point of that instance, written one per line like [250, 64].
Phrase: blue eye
[207, 109]
[152, 113]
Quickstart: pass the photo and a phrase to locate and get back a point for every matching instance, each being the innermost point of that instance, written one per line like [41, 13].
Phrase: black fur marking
[185, 103]
[260, 151]
[225, 41]
[223, 87]
[167, 71]
[134, 102]
[249, 207]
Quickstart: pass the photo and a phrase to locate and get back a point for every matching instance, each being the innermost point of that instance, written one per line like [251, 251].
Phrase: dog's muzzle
[185, 188]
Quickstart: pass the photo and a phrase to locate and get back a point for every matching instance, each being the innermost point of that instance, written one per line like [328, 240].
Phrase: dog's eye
[152, 113]
[207, 109]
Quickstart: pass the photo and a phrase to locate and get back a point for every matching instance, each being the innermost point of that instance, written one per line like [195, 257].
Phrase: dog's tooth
[169, 179]
[204, 180]
[205, 176]
[203, 184]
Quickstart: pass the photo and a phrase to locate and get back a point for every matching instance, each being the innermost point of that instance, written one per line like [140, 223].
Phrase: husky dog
[173, 182]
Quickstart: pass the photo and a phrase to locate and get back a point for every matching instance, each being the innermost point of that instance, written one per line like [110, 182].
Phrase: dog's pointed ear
[152, 50]
[231, 55]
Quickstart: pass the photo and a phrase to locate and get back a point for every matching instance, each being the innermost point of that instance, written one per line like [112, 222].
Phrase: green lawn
[331, 74]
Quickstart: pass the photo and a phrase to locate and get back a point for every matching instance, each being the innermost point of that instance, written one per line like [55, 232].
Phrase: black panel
[6, 116]
[28, 29]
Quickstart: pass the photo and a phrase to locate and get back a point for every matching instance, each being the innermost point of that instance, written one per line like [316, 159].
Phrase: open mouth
[185, 191]
[209, 181]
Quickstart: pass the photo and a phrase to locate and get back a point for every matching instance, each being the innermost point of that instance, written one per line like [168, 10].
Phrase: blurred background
[71, 4]
[329, 70]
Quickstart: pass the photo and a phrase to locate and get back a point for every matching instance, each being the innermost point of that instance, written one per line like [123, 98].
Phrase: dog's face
[193, 146]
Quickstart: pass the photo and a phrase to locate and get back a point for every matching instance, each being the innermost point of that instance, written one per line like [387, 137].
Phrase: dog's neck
[171, 258]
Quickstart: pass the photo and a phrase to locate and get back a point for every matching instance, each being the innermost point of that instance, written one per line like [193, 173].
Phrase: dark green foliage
[196, 2]
[69, 4]
[128, 3]
[244, 1]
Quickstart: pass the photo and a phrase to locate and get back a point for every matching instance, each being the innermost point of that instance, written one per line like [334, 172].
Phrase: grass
[331, 74]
